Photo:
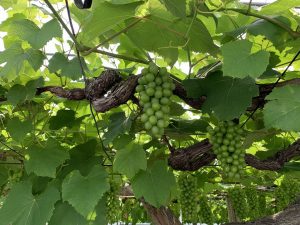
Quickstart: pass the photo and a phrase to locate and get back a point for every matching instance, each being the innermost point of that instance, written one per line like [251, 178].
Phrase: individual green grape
[238, 199]
[155, 89]
[113, 204]
[205, 213]
[227, 145]
[188, 197]
[252, 201]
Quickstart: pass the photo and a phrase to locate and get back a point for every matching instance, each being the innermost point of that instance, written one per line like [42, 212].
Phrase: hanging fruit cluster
[188, 198]
[227, 139]
[155, 88]
[205, 213]
[113, 204]
[238, 198]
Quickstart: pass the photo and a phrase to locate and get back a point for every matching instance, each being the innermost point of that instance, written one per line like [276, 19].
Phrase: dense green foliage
[205, 70]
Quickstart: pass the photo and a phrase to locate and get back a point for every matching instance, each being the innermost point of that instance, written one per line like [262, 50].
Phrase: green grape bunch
[155, 89]
[205, 213]
[237, 196]
[188, 198]
[113, 204]
[227, 141]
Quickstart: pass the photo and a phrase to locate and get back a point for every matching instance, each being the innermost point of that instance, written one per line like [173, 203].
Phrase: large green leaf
[106, 16]
[176, 7]
[15, 56]
[21, 207]
[84, 192]
[27, 30]
[227, 97]
[18, 129]
[279, 6]
[130, 160]
[63, 118]
[155, 184]
[65, 214]
[82, 157]
[238, 61]
[43, 161]
[283, 108]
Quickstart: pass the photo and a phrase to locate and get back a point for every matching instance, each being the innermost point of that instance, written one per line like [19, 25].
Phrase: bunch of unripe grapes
[238, 198]
[205, 213]
[188, 197]
[286, 193]
[227, 139]
[252, 201]
[155, 89]
[113, 204]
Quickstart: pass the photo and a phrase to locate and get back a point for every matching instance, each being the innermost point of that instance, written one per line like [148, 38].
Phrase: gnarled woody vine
[109, 90]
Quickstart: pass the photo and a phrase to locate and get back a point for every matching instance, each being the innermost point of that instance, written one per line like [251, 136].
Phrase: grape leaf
[14, 57]
[155, 184]
[176, 7]
[15, 94]
[27, 30]
[65, 214]
[238, 61]
[283, 108]
[279, 6]
[227, 97]
[44, 161]
[130, 160]
[82, 157]
[18, 129]
[106, 16]
[84, 192]
[119, 124]
[101, 213]
[63, 118]
[57, 62]
[21, 207]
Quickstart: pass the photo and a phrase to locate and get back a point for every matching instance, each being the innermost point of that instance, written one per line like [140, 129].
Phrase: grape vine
[155, 89]
[226, 139]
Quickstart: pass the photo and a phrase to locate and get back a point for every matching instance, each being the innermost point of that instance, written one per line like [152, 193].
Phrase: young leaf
[21, 207]
[130, 160]
[84, 192]
[238, 61]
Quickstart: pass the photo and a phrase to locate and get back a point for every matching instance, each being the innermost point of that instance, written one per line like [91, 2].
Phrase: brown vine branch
[200, 154]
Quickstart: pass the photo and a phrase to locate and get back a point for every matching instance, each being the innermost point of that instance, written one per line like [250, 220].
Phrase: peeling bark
[200, 154]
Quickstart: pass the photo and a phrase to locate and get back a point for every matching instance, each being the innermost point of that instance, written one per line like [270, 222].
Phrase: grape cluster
[188, 197]
[155, 89]
[205, 213]
[113, 204]
[262, 204]
[252, 201]
[238, 199]
[227, 145]
[286, 193]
